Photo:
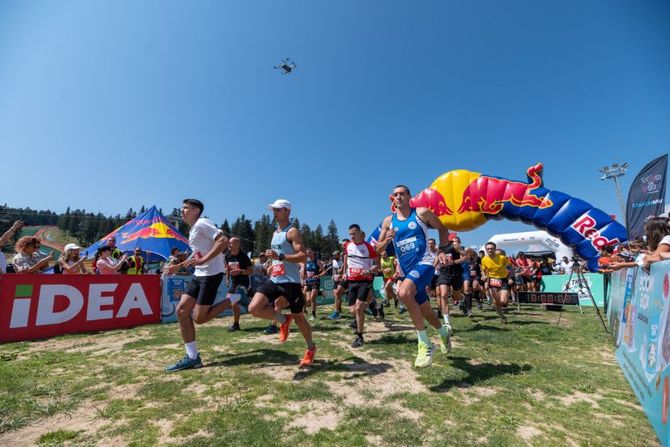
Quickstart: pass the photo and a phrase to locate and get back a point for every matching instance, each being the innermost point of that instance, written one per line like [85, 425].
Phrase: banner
[174, 286]
[41, 306]
[639, 321]
[594, 281]
[646, 196]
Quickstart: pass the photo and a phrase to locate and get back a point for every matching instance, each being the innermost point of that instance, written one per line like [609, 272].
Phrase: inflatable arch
[465, 200]
[531, 241]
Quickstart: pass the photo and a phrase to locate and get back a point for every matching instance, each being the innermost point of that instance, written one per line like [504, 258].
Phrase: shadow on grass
[395, 339]
[358, 368]
[477, 326]
[265, 357]
[478, 373]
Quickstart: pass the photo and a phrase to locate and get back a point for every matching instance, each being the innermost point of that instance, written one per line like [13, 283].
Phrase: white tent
[539, 242]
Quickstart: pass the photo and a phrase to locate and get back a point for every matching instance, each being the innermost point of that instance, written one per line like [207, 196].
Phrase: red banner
[40, 306]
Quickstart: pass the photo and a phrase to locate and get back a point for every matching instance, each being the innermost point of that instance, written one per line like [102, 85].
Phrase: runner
[494, 266]
[475, 264]
[407, 228]
[432, 253]
[237, 277]
[339, 284]
[283, 288]
[196, 304]
[450, 279]
[360, 263]
[389, 272]
[312, 276]
[466, 304]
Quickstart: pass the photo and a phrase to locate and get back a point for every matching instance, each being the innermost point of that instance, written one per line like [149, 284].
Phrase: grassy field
[529, 383]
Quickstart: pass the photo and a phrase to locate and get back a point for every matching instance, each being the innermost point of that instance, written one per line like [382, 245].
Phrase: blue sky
[111, 105]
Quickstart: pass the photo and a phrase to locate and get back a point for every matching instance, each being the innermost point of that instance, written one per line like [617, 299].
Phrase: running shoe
[234, 327]
[445, 342]
[285, 329]
[308, 359]
[470, 314]
[402, 310]
[312, 318]
[381, 314]
[272, 329]
[185, 363]
[461, 306]
[424, 357]
[334, 316]
[479, 305]
[358, 342]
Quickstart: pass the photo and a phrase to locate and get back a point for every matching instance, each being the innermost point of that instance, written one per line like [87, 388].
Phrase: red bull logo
[585, 226]
[488, 195]
[432, 199]
[158, 229]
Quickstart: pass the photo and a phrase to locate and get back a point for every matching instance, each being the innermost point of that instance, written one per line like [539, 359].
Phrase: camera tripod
[582, 284]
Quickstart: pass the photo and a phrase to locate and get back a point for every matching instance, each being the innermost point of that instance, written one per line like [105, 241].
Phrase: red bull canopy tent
[149, 231]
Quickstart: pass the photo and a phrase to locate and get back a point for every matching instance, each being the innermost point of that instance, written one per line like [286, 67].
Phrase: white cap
[71, 247]
[280, 203]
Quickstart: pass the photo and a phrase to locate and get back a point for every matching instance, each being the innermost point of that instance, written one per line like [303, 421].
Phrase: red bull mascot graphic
[465, 200]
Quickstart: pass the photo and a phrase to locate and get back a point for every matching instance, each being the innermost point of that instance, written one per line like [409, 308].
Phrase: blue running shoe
[185, 363]
[334, 316]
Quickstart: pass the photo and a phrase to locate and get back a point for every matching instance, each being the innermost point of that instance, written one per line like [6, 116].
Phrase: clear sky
[112, 105]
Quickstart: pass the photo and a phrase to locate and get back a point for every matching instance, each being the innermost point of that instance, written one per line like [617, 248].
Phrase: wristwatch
[281, 256]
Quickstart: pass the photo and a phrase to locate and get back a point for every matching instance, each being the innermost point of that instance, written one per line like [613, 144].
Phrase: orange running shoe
[285, 328]
[308, 359]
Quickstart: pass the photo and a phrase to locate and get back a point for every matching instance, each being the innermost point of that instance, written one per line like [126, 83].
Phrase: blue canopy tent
[149, 231]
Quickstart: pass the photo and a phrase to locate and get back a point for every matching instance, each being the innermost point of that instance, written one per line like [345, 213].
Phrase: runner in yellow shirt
[494, 266]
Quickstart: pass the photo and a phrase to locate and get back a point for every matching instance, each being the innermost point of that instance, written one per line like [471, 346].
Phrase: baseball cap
[71, 247]
[280, 203]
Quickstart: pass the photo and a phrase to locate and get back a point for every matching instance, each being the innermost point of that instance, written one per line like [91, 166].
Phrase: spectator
[28, 259]
[3, 240]
[658, 240]
[70, 262]
[136, 263]
[106, 264]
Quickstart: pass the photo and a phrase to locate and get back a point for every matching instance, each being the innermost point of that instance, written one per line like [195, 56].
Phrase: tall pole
[614, 172]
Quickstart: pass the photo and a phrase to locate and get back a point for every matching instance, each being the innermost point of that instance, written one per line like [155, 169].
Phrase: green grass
[500, 386]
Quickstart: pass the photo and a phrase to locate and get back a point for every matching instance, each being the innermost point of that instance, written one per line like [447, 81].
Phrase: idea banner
[41, 306]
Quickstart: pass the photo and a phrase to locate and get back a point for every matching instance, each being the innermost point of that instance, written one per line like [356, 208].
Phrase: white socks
[191, 350]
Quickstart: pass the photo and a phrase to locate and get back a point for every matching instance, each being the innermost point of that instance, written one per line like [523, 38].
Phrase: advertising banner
[327, 296]
[638, 316]
[41, 306]
[174, 286]
[646, 196]
[595, 282]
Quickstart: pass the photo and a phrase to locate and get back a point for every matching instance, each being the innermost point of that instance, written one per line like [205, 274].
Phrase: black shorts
[504, 285]
[204, 288]
[433, 282]
[358, 290]
[344, 283]
[310, 287]
[290, 290]
[476, 278]
[455, 281]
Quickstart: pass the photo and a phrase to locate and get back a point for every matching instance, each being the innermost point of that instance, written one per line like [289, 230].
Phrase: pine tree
[332, 238]
[263, 229]
[225, 227]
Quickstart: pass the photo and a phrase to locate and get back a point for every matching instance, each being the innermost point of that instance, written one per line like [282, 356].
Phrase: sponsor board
[41, 306]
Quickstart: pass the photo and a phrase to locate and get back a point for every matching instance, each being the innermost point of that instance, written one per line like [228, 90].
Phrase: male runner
[407, 228]
[450, 279]
[360, 264]
[312, 275]
[283, 289]
[494, 267]
[340, 285]
[237, 276]
[196, 304]
[387, 264]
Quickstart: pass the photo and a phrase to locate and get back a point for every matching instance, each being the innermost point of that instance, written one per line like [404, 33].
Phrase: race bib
[234, 266]
[278, 269]
[473, 272]
[494, 282]
[353, 271]
[310, 274]
[407, 245]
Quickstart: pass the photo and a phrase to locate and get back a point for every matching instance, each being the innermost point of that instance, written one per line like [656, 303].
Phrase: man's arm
[385, 236]
[295, 238]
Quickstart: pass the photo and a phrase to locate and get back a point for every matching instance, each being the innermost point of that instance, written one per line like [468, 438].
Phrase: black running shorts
[289, 290]
[358, 290]
[203, 288]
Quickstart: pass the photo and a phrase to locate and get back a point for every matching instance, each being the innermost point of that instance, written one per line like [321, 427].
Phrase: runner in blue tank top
[407, 228]
[284, 289]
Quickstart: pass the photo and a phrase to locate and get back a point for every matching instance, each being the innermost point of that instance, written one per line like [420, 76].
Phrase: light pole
[614, 172]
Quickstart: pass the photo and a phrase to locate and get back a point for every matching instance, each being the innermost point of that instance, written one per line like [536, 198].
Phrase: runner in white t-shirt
[196, 305]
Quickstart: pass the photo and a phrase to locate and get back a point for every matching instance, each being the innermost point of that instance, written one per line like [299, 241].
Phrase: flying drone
[286, 66]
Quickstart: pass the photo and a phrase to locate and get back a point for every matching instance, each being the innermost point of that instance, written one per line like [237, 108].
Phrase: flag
[646, 196]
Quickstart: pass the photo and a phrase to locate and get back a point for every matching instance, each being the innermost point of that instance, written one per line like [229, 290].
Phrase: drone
[286, 66]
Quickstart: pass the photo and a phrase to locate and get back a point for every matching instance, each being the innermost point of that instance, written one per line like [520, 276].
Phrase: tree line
[89, 227]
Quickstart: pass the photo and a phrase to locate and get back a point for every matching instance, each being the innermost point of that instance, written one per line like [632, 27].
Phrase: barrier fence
[639, 321]
[40, 306]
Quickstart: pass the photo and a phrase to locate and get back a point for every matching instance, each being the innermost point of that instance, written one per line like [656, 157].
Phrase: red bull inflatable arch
[465, 200]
